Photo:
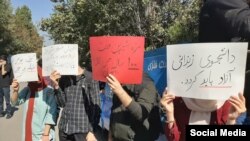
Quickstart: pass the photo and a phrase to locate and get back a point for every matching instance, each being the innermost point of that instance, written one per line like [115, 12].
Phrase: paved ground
[10, 130]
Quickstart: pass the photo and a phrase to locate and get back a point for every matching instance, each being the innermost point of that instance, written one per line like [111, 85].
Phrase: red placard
[121, 56]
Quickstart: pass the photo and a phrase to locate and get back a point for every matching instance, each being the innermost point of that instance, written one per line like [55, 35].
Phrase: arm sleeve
[172, 134]
[52, 110]
[234, 14]
[225, 111]
[22, 97]
[95, 103]
[8, 68]
[60, 97]
[143, 105]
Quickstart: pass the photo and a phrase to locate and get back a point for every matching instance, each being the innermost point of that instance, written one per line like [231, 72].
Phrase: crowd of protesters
[136, 110]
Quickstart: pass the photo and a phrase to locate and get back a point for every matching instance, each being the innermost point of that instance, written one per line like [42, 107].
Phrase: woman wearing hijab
[40, 109]
[182, 111]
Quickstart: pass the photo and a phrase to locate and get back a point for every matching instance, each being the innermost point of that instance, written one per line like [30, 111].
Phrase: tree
[162, 22]
[17, 32]
[24, 33]
[5, 15]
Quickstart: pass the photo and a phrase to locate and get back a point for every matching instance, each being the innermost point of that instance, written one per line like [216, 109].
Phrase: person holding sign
[41, 110]
[79, 97]
[182, 111]
[135, 112]
[5, 80]
[226, 21]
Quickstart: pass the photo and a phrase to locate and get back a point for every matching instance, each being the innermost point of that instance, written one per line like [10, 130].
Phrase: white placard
[206, 70]
[61, 57]
[24, 67]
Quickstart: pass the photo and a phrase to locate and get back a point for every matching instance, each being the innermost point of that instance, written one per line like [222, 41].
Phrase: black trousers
[5, 93]
[72, 137]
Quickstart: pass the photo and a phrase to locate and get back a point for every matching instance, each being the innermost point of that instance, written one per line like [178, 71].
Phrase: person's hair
[248, 61]
[248, 2]
[84, 61]
[40, 62]
[3, 57]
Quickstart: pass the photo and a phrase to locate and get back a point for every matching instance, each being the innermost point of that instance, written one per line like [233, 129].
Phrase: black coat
[224, 21]
[227, 21]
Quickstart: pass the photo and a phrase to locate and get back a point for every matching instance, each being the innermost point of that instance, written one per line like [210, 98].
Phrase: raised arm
[171, 129]
[5, 68]
[17, 97]
[59, 93]
[238, 107]
[14, 96]
[140, 107]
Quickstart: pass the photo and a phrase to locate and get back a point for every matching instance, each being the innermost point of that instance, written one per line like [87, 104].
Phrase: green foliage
[24, 34]
[17, 32]
[184, 26]
[162, 22]
[5, 15]
[23, 17]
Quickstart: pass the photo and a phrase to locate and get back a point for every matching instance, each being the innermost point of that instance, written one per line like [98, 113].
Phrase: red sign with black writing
[121, 56]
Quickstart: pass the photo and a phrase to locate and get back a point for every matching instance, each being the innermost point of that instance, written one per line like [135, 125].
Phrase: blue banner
[106, 104]
[155, 65]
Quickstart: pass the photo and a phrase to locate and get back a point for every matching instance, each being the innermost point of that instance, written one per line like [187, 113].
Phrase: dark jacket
[79, 98]
[6, 80]
[140, 121]
[224, 21]
[227, 21]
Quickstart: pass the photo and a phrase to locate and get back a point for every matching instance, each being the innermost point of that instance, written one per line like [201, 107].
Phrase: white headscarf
[201, 110]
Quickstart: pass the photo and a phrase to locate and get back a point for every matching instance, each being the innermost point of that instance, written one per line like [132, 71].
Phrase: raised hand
[167, 102]
[168, 106]
[15, 85]
[114, 84]
[238, 106]
[54, 77]
[4, 63]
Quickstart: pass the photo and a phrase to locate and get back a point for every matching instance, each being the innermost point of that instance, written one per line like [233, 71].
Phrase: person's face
[205, 103]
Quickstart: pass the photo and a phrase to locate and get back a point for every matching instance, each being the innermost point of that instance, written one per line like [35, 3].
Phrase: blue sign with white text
[155, 64]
